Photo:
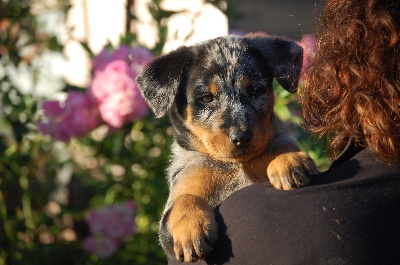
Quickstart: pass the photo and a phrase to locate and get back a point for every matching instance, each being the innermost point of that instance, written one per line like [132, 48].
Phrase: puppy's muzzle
[240, 138]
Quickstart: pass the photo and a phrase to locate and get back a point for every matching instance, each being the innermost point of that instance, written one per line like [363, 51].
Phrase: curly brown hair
[352, 88]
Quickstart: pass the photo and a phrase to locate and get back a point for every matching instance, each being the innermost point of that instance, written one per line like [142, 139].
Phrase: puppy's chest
[240, 176]
[227, 184]
[216, 179]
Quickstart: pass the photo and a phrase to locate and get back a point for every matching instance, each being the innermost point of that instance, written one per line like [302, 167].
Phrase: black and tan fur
[219, 97]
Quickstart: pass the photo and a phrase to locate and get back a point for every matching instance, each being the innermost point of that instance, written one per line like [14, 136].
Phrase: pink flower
[108, 225]
[78, 116]
[52, 108]
[113, 96]
[140, 58]
[101, 60]
[103, 247]
[117, 94]
[96, 220]
[136, 57]
[53, 112]
[123, 53]
[120, 223]
[115, 221]
[309, 45]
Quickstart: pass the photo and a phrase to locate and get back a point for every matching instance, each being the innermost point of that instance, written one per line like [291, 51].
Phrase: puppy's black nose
[240, 138]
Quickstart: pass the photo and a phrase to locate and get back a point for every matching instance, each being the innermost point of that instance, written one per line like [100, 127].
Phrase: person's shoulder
[362, 169]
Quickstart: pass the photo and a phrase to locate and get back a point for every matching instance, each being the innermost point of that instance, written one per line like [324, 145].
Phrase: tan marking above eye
[213, 88]
[245, 81]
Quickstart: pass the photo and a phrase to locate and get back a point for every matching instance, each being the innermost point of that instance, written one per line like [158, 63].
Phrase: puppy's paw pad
[291, 170]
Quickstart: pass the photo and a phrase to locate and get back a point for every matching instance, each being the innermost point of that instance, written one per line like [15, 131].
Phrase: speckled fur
[217, 92]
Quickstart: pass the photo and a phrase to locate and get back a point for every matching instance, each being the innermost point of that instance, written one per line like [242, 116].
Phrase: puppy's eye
[207, 98]
[253, 91]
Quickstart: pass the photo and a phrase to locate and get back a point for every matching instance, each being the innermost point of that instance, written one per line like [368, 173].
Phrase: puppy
[220, 99]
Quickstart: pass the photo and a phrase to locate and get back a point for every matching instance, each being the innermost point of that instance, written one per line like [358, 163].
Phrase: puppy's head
[219, 93]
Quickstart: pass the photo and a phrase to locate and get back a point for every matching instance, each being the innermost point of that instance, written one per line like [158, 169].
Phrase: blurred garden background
[82, 159]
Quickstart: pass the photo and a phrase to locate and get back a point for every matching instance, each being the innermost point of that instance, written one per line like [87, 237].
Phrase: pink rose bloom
[309, 45]
[103, 247]
[122, 53]
[105, 57]
[115, 221]
[52, 108]
[136, 57]
[140, 58]
[117, 94]
[78, 116]
[97, 220]
[120, 222]
[101, 60]
[53, 112]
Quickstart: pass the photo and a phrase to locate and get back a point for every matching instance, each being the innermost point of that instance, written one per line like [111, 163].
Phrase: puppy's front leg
[193, 227]
[191, 220]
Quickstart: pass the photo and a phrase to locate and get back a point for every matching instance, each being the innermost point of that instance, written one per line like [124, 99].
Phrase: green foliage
[41, 227]
[47, 187]
[288, 110]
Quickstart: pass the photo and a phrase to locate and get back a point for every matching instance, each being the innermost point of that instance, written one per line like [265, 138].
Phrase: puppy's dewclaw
[219, 97]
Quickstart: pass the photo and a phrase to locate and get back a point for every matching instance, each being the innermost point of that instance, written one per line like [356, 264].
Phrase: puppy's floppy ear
[160, 80]
[284, 58]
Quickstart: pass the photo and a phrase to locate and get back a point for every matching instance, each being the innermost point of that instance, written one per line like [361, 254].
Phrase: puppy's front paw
[193, 228]
[291, 170]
